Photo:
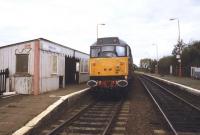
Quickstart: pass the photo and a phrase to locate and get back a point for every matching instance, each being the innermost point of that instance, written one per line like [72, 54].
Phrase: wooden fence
[3, 75]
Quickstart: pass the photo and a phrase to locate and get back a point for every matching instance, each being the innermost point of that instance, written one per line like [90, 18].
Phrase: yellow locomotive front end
[104, 67]
[109, 64]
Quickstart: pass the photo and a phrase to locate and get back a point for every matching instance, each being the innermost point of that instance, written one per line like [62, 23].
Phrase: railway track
[193, 98]
[182, 116]
[101, 117]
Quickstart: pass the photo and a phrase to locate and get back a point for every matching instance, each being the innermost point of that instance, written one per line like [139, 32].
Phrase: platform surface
[17, 110]
[187, 81]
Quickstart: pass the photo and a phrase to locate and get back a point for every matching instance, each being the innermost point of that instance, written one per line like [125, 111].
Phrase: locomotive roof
[109, 41]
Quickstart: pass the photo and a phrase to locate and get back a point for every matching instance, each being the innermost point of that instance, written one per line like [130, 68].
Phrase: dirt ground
[144, 116]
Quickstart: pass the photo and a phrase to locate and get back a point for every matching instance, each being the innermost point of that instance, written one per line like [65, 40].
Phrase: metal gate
[3, 75]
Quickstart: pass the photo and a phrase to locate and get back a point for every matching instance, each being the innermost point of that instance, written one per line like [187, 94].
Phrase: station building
[40, 65]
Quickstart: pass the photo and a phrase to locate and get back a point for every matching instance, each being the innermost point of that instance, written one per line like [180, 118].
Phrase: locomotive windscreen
[108, 51]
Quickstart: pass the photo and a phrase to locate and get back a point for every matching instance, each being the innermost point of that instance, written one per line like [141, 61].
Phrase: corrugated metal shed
[42, 75]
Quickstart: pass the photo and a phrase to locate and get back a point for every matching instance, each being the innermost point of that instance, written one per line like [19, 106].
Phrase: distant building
[195, 72]
[145, 63]
[40, 65]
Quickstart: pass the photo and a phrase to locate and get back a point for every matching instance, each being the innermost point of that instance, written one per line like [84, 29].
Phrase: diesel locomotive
[110, 64]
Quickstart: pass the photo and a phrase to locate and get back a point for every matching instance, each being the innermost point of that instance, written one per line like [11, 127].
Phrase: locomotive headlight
[117, 68]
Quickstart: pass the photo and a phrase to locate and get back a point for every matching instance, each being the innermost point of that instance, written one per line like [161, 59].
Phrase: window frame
[52, 61]
[94, 47]
[84, 67]
[125, 51]
[16, 67]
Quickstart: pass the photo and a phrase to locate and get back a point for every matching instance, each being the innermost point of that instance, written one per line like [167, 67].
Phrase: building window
[77, 66]
[54, 64]
[84, 66]
[21, 63]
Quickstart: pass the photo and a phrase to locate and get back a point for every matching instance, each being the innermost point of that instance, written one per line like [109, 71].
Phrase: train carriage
[110, 63]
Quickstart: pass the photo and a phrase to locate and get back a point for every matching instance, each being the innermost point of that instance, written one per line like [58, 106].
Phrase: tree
[148, 65]
[164, 64]
[178, 48]
[191, 57]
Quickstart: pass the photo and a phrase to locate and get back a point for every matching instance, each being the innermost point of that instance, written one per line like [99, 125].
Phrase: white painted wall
[80, 55]
[56, 48]
[23, 85]
[83, 77]
[195, 72]
[48, 80]
[8, 60]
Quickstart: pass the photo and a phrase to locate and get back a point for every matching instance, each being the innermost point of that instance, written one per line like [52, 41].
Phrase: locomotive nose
[122, 83]
[92, 83]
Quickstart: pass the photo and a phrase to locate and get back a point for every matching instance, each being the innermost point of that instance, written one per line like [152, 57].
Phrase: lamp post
[98, 27]
[179, 46]
[172, 19]
[157, 57]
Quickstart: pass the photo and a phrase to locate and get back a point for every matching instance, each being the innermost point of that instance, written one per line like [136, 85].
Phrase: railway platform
[17, 110]
[187, 81]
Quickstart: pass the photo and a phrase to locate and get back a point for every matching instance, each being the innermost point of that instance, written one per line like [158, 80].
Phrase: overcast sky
[140, 23]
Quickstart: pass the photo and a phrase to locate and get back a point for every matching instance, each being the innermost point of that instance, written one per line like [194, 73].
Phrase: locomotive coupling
[92, 83]
[122, 83]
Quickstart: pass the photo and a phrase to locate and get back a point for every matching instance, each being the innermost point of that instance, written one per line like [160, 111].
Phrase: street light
[172, 19]
[157, 56]
[98, 26]
[179, 46]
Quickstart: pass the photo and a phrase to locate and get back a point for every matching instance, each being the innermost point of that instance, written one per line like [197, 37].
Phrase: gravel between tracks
[145, 118]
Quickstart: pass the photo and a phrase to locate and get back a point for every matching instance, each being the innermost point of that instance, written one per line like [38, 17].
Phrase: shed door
[71, 70]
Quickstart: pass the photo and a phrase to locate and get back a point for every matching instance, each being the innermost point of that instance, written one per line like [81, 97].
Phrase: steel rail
[78, 114]
[183, 100]
[165, 116]
[68, 121]
[108, 127]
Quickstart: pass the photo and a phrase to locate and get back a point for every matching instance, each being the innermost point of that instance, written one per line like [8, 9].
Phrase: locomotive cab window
[121, 51]
[107, 48]
[107, 51]
[108, 54]
[95, 51]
